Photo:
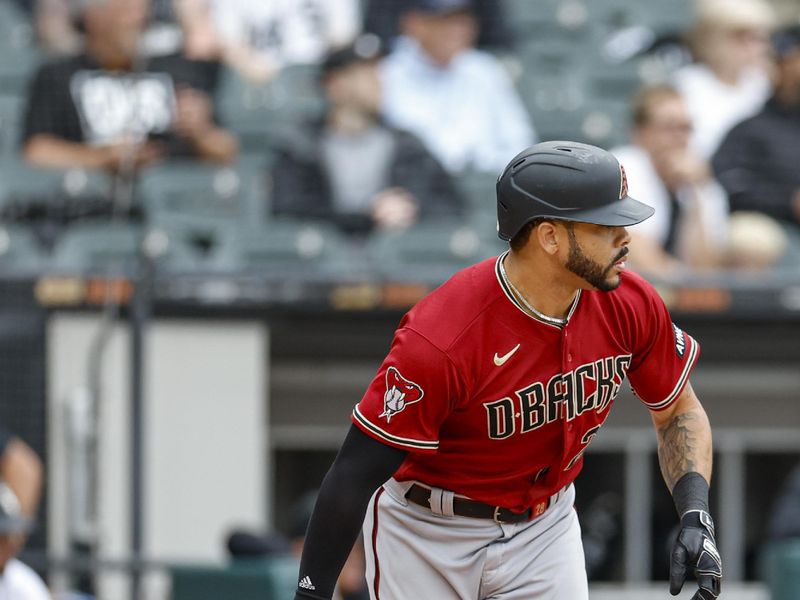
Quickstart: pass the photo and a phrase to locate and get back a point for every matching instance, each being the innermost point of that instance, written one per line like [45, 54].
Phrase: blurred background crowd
[373, 117]
[329, 141]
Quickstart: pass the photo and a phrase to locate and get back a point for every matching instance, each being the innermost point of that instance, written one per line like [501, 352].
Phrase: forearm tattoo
[681, 446]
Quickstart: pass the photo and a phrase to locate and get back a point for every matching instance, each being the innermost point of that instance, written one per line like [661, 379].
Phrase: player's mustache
[622, 254]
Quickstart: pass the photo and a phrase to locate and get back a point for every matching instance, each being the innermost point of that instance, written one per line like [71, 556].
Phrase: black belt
[463, 507]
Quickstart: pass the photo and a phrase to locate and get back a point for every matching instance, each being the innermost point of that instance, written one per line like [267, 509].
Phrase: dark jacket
[302, 188]
[758, 165]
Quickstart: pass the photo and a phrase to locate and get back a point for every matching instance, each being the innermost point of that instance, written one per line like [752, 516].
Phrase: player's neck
[542, 286]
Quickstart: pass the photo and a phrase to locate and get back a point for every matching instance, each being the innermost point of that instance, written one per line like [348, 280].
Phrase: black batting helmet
[567, 181]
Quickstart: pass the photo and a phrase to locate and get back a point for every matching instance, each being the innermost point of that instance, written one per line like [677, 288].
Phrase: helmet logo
[623, 183]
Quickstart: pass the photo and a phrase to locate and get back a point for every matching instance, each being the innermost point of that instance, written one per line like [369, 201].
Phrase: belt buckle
[496, 516]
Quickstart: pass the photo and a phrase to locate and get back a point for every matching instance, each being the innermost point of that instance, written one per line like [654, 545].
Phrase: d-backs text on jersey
[591, 386]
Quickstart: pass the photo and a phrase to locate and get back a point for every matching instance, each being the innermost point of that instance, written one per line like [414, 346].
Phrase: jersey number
[587, 437]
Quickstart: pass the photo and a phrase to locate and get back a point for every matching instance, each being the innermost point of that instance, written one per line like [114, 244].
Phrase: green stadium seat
[660, 15]
[115, 247]
[429, 252]
[270, 579]
[30, 191]
[98, 246]
[11, 107]
[254, 111]
[780, 564]
[19, 250]
[290, 248]
[540, 18]
[201, 202]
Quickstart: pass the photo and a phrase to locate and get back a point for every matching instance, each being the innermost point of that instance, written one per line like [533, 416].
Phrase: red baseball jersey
[499, 406]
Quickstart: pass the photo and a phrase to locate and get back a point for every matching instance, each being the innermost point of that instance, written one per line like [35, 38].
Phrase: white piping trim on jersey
[681, 380]
[394, 438]
[525, 311]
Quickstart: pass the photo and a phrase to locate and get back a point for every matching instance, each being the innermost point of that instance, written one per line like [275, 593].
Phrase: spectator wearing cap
[459, 100]
[729, 81]
[20, 491]
[109, 107]
[758, 161]
[351, 168]
[382, 17]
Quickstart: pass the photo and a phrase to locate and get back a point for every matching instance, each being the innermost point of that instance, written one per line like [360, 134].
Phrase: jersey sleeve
[412, 393]
[664, 355]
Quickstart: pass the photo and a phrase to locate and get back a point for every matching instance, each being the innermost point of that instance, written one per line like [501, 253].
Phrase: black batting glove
[695, 551]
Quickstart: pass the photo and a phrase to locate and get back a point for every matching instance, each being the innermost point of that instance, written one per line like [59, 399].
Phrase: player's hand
[695, 551]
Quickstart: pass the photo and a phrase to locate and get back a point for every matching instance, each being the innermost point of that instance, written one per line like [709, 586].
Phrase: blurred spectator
[460, 101]
[21, 470]
[17, 580]
[55, 27]
[758, 161]
[689, 227]
[351, 168]
[382, 17]
[258, 37]
[729, 80]
[172, 25]
[20, 491]
[109, 107]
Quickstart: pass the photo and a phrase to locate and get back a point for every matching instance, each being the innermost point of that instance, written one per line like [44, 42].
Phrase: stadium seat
[19, 55]
[11, 107]
[661, 16]
[90, 247]
[255, 110]
[780, 563]
[114, 247]
[28, 192]
[201, 202]
[271, 579]
[290, 248]
[19, 250]
[429, 252]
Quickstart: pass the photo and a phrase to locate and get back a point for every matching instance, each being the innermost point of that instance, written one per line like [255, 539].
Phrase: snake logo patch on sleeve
[400, 392]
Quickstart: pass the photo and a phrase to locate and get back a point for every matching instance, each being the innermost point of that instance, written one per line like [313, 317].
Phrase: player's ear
[547, 236]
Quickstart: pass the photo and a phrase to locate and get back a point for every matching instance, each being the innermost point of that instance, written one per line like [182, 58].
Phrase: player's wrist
[690, 495]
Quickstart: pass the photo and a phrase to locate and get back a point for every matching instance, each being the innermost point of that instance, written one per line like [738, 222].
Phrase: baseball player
[463, 450]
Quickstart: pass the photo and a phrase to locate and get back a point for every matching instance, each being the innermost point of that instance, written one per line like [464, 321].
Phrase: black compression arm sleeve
[362, 465]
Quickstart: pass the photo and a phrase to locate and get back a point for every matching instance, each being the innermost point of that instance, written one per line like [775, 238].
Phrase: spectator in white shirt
[688, 230]
[259, 37]
[20, 491]
[730, 80]
[17, 580]
[459, 100]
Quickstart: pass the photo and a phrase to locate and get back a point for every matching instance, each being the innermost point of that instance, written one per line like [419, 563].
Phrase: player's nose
[624, 237]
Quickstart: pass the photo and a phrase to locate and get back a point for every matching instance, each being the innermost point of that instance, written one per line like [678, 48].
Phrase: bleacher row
[574, 70]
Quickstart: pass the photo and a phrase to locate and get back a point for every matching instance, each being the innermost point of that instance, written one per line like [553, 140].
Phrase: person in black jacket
[352, 169]
[112, 108]
[757, 162]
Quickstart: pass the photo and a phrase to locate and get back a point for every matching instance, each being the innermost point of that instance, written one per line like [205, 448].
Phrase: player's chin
[612, 281]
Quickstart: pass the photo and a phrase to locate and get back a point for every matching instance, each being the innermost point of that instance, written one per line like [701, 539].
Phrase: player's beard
[593, 272]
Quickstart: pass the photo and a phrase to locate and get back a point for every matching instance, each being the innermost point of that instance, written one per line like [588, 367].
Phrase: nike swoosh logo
[501, 360]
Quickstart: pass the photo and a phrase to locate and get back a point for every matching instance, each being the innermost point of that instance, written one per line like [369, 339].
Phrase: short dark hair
[645, 100]
[523, 235]
[521, 238]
